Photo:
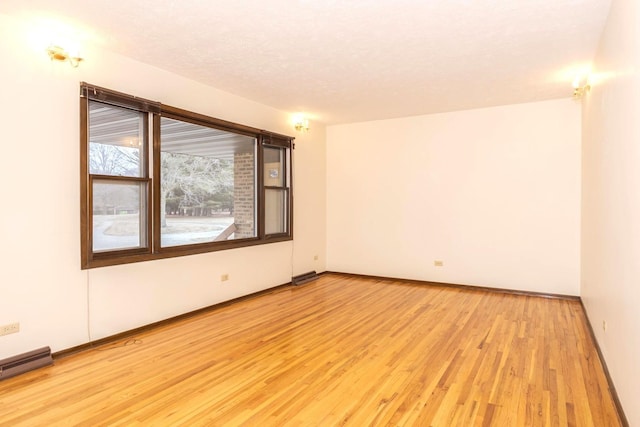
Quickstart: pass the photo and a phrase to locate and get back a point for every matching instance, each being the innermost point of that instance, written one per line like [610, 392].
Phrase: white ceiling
[353, 60]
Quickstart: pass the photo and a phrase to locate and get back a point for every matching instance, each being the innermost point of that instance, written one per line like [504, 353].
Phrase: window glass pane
[275, 211]
[273, 167]
[208, 190]
[116, 137]
[118, 215]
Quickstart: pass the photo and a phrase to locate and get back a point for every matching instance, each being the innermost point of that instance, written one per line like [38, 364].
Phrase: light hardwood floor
[337, 351]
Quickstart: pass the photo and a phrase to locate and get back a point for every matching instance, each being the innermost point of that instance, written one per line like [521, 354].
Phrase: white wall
[309, 189]
[493, 193]
[42, 286]
[611, 202]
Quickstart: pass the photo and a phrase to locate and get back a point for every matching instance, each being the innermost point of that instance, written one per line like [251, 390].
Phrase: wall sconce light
[301, 123]
[581, 86]
[56, 53]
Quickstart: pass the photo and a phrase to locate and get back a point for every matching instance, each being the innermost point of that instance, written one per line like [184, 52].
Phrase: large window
[207, 184]
[119, 180]
[159, 182]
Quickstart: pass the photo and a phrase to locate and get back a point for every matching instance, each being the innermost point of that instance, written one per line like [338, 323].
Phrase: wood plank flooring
[337, 351]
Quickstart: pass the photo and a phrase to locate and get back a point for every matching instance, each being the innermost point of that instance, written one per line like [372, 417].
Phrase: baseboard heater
[25, 362]
[304, 278]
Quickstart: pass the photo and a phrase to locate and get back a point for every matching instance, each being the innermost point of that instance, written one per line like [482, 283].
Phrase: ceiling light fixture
[57, 53]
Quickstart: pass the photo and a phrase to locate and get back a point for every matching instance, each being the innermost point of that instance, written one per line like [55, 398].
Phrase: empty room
[318, 213]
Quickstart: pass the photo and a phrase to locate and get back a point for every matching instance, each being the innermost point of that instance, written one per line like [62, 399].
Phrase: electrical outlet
[438, 263]
[315, 257]
[604, 325]
[224, 277]
[11, 328]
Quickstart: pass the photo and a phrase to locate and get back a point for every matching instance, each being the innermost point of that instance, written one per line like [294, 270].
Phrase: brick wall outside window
[244, 195]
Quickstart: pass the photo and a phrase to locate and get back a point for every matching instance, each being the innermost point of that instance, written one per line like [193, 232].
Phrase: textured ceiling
[353, 60]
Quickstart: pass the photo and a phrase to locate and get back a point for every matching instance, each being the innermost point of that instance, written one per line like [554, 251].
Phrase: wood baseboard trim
[461, 286]
[131, 332]
[612, 388]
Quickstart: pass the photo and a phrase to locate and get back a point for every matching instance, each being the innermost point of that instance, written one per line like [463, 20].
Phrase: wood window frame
[286, 187]
[152, 168]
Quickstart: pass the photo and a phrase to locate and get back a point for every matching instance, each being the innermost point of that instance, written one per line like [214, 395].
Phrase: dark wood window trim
[151, 178]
